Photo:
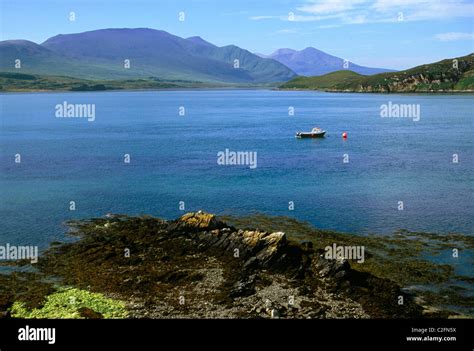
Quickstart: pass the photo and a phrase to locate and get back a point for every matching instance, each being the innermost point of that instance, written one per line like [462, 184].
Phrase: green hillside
[34, 82]
[325, 82]
[138, 54]
[441, 76]
[36, 59]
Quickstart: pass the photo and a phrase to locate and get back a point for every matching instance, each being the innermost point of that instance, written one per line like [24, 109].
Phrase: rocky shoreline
[200, 267]
[447, 76]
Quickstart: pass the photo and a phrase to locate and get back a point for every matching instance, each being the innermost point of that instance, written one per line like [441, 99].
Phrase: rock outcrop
[199, 267]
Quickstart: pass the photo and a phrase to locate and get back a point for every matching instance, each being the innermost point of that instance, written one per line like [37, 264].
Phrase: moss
[71, 303]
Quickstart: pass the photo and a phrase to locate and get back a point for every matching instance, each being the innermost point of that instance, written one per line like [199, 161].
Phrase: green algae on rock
[72, 303]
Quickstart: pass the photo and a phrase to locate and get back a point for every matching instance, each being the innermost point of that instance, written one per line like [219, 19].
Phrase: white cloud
[358, 19]
[343, 12]
[258, 18]
[292, 17]
[329, 6]
[420, 10]
[310, 18]
[389, 5]
[454, 36]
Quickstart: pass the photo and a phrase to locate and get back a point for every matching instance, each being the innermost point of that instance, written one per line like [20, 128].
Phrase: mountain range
[102, 54]
[314, 62]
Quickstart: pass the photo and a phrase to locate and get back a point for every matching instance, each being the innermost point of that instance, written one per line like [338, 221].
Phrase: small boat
[315, 133]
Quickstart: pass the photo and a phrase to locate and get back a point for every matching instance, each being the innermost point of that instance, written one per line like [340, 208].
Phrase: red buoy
[344, 135]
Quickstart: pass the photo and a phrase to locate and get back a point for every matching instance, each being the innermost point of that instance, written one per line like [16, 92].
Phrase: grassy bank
[20, 82]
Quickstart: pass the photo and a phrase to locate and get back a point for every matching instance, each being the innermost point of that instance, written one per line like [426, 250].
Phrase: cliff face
[199, 267]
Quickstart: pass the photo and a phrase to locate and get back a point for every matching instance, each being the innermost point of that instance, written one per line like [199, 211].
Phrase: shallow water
[174, 158]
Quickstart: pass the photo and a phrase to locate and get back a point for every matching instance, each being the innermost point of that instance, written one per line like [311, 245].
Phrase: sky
[395, 34]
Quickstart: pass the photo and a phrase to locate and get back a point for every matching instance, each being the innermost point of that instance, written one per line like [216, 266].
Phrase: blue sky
[380, 33]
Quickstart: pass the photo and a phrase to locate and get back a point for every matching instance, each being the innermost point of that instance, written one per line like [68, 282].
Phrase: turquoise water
[174, 158]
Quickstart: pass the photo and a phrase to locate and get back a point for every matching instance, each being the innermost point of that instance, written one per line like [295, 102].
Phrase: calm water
[173, 158]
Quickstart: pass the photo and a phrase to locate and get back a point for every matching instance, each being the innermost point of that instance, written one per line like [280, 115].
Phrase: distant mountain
[314, 62]
[100, 54]
[440, 76]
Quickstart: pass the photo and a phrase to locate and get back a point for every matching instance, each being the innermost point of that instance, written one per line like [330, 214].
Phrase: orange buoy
[344, 135]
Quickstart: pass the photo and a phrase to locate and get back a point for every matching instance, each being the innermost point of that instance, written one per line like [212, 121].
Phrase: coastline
[194, 257]
[257, 87]
[138, 90]
[427, 92]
